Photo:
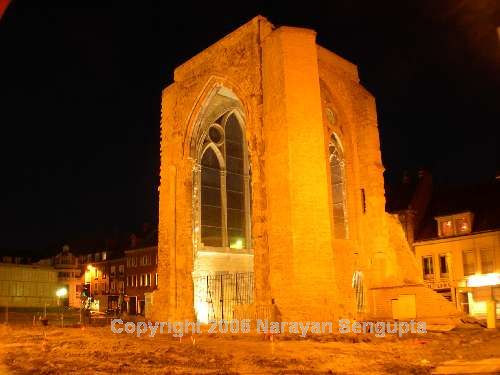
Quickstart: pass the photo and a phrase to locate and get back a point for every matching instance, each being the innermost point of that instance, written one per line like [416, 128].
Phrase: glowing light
[483, 280]
[238, 244]
[202, 312]
[61, 292]
[90, 267]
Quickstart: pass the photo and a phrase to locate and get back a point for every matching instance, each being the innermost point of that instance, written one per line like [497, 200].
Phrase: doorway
[132, 306]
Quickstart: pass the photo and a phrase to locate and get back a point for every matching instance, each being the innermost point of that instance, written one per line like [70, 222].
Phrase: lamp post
[61, 292]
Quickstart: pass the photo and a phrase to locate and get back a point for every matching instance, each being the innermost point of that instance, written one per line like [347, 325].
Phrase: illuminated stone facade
[316, 214]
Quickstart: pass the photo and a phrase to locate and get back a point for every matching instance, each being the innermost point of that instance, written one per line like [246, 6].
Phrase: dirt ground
[96, 350]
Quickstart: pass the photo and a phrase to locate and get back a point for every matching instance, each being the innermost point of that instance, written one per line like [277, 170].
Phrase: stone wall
[284, 82]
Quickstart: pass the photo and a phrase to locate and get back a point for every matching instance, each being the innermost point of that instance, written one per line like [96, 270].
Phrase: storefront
[475, 292]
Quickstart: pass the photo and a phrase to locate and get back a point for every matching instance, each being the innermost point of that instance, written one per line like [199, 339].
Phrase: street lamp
[61, 293]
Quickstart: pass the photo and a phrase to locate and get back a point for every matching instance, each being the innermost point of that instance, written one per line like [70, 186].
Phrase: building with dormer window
[458, 246]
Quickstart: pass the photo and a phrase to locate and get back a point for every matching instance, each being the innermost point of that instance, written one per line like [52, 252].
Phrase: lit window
[462, 225]
[469, 263]
[337, 175]
[225, 185]
[487, 260]
[447, 228]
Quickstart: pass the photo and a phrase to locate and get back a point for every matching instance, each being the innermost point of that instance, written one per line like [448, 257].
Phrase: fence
[217, 296]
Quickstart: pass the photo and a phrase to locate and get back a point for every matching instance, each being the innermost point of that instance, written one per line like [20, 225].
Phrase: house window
[462, 225]
[443, 266]
[337, 174]
[468, 261]
[487, 260]
[113, 271]
[121, 269]
[156, 279]
[112, 286]
[446, 228]
[455, 224]
[428, 267]
[224, 182]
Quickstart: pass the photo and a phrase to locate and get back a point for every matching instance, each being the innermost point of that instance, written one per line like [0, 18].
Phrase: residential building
[458, 246]
[69, 274]
[141, 277]
[28, 286]
[117, 278]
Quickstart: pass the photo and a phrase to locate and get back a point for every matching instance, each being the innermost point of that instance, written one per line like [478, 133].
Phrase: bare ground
[51, 350]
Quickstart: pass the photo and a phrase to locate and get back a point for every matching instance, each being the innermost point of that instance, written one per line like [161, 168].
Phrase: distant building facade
[69, 274]
[116, 274]
[141, 277]
[28, 286]
[458, 246]
[117, 277]
[456, 239]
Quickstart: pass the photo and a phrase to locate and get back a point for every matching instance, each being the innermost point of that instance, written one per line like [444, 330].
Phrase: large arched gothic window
[224, 185]
[337, 173]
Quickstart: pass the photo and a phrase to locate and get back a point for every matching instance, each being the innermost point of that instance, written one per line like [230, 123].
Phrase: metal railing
[221, 293]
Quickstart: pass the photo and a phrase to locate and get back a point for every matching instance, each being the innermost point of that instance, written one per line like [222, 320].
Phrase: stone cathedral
[272, 192]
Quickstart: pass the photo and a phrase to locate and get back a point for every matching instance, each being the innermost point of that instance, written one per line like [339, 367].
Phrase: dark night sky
[80, 98]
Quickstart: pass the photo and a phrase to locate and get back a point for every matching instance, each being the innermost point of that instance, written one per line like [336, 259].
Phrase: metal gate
[216, 296]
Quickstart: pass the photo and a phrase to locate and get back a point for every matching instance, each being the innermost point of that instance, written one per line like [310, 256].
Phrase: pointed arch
[338, 187]
[202, 104]
[221, 188]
